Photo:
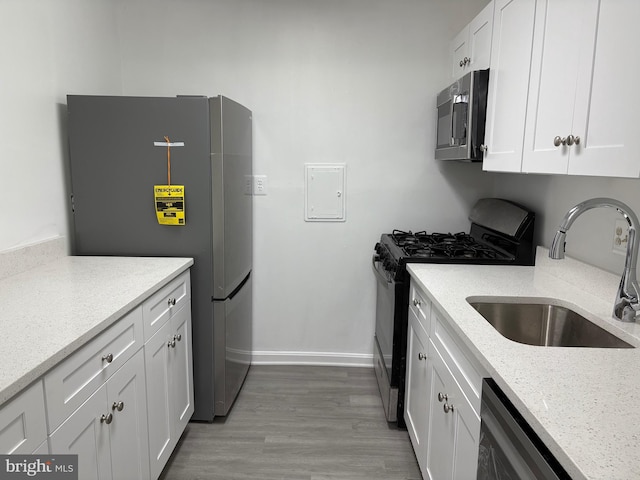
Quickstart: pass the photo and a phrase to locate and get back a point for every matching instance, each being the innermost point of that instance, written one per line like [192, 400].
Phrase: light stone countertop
[584, 403]
[50, 311]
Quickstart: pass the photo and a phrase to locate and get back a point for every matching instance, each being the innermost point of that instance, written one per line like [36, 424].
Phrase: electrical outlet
[620, 236]
[259, 184]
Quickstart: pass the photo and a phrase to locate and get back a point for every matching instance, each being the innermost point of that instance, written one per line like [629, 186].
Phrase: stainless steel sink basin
[546, 325]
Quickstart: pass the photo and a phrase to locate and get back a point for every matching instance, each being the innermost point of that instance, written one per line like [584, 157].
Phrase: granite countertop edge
[66, 303]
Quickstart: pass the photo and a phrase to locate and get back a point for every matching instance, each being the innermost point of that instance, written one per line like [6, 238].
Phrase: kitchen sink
[545, 325]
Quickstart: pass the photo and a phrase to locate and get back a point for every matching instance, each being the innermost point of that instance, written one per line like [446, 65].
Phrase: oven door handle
[381, 277]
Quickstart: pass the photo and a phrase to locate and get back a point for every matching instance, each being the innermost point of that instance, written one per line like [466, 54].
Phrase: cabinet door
[441, 439]
[180, 358]
[564, 36]
[459, 51]
[607, 102]
[127, 401]
[511, 44]
[23, 425]
[84, 434]
[454, 426]
[480, 31]
[467, 441]
[417, 396]
[156, 359]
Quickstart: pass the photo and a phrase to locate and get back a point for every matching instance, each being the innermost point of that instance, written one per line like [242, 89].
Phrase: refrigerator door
[114, 166]
[231, 156]
[232, 362]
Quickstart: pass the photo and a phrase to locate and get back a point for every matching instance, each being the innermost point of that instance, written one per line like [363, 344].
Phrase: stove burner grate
[441, 245]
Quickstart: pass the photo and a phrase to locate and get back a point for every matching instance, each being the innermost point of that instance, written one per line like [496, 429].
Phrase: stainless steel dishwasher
[509, 448]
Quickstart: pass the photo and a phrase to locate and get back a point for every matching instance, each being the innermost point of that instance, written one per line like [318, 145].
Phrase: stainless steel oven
[390, 338]
[501, 234]
[509, 449]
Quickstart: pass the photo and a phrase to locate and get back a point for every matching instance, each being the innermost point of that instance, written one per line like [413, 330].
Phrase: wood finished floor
[298, 423]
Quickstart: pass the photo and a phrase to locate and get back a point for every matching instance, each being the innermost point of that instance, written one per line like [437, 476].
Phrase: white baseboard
[312, 358]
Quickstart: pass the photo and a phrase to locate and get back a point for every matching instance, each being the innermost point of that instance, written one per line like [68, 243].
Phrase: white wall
[350, 81]
[49, 49]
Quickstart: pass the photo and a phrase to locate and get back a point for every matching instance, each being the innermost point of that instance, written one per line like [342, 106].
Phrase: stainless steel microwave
[462, 110]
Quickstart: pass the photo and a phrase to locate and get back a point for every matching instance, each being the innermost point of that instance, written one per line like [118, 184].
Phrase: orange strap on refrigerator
[168, 160]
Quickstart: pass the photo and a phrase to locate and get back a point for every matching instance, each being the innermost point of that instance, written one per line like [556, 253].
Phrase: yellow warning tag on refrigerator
[169, 201]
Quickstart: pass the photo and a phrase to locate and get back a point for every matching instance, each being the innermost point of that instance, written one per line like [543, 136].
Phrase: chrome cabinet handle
[416, 302]
[461, 63]
[483, 148]
[117, 406]
[422, 356]
[442, 397]
[108, 357]
[577, 140]
[557, 141]
[106, 419]
[178, 337]
[171, 302]
[570, 140]
[447, 408]
[171, 343]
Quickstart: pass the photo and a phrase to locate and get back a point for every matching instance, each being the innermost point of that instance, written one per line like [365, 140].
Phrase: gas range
[396, 249]
[501, 233]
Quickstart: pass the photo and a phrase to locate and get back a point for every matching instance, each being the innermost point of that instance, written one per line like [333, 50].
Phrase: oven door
[384, 340]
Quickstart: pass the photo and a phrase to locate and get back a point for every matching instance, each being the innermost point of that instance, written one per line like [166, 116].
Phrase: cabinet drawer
[419, 302]
[74, 380]
[164, 303]
[466, 371]
[23, 427]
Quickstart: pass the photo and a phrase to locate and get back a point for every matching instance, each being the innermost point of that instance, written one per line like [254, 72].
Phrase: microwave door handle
[452, 140]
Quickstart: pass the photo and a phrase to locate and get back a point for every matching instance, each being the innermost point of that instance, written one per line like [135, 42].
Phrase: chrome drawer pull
[106, 419]
[108, 357]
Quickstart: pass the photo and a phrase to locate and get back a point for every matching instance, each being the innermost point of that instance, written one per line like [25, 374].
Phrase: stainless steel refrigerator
[120, 148]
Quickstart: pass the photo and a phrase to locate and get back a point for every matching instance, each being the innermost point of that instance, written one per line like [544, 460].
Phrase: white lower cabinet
[121, 401]
[417, 389]
[442, 399]
[169, 386]
[454, 426]
[109, 431]
[23, 427]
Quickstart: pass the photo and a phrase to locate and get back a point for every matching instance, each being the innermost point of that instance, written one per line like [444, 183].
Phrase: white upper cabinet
[471, 48]
[560, 91]
[581, 101]
[511, 44]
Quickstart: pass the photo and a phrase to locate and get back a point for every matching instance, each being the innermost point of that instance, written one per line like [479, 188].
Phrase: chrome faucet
[626, 304]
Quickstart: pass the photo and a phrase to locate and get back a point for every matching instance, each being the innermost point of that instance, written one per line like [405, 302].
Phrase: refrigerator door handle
[235, 290]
